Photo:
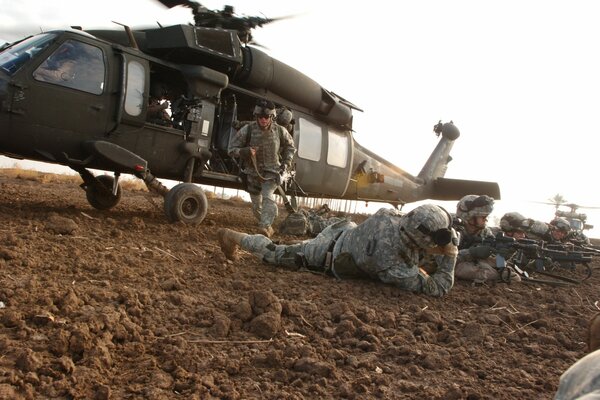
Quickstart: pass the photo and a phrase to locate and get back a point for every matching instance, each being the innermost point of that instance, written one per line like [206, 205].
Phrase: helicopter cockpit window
[75, 65]
[136, 82]
[309, 145]
[576, 225]
[13, 58]
[337, 151]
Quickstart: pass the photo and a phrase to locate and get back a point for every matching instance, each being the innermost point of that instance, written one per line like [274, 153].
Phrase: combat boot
[266, 231]
[230, 241]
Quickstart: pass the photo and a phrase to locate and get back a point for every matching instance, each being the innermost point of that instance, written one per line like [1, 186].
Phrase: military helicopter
[576, 219]
[96, 115]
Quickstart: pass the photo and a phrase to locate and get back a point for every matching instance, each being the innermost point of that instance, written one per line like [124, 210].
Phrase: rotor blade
[174, 3]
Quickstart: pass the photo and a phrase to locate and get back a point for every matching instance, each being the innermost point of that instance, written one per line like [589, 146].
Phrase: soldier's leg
[478, 271]
[262, 247]
[269, 206]
[254, 189]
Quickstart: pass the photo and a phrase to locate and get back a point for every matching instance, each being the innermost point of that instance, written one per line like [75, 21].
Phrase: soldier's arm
[288, 148]
[238, 142]
[440, 282]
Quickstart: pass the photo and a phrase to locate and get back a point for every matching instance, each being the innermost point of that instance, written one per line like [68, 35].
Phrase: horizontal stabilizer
[455, 189]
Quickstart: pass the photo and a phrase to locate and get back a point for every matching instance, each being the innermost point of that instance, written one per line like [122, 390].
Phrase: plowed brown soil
[123, 305]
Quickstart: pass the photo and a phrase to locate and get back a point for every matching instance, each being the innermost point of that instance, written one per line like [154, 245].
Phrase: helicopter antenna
[132, 41]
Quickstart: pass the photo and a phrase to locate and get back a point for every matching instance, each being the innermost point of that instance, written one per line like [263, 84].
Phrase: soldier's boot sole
[266, 231]
[230, 241]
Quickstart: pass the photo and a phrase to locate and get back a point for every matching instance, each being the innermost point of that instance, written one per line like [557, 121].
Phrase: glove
[246, 152]
[480, 252]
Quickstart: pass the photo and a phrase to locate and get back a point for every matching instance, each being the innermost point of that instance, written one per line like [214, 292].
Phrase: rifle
[559, 261]
[523, 254]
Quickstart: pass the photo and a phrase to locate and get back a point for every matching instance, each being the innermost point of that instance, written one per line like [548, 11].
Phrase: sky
[520, 79]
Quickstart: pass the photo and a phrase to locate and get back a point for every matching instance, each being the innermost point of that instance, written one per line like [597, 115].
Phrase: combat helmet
[284, 117]
[428, 226]
[264, 107]
[473, 205]
[513, 221]
[561, 224]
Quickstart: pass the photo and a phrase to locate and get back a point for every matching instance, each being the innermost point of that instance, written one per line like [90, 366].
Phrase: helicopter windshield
[12, 58]
[576, 225]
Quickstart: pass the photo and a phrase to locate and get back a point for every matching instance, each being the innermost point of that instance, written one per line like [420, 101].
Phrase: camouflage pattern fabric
[469, 268]
[477, 270]
[581, 380]
[264, 206]
[380, 249]
[314, 250]
[376, 246]
[306, 222]
[317, 223]
[538, 230]
[272, 145]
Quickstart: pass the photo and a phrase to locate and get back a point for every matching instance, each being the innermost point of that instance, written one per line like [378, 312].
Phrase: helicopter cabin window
[309, 144]
[337, 152]
[14, 57]
[75, 65]
[136, 82]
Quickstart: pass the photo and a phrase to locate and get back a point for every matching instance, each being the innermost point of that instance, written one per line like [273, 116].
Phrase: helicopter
[576, 219]
[96, 116]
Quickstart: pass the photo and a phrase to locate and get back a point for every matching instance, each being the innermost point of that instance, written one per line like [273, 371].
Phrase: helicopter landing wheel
[187, 203]
[100, 195]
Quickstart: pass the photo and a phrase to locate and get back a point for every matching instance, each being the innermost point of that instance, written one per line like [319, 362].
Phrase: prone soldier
[388, 246]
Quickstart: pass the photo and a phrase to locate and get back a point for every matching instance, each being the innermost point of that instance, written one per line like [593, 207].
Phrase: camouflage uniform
[468, 267]
[581, 380]
[380, 247]
[538, 230]
[306, 222]
[275, 147]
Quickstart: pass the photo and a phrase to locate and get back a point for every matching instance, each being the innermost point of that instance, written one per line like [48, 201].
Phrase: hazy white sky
[521, 79]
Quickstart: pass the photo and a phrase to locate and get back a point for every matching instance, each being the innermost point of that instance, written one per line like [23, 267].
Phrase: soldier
[158, 105]
[475, 261]
[387, 246]
[514, 224]
[556, 231]
[267, 150]
[285, 118]
[581, 380]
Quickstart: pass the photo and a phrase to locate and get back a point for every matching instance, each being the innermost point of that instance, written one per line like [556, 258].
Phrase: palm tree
[557, 200]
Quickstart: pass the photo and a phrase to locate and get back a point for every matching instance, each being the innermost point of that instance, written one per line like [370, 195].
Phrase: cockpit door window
[75, 65]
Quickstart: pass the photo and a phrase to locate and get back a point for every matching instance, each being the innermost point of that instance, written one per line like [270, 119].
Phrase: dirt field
[123, 305]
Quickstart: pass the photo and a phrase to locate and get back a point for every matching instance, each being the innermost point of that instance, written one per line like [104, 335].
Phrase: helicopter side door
[323, 158]
[70, 75]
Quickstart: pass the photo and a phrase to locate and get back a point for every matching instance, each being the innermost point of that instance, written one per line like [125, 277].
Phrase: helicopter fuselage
[97, 114]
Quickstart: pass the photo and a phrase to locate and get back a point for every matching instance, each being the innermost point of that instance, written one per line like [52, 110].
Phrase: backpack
[295, 223]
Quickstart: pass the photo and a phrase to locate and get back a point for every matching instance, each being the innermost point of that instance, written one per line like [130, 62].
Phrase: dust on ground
[123, 305]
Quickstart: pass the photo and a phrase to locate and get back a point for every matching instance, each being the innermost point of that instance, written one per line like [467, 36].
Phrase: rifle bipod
[573, 273]
[558, 279]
